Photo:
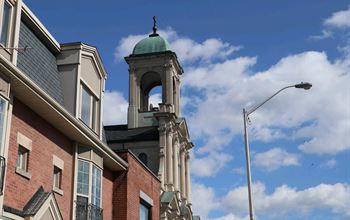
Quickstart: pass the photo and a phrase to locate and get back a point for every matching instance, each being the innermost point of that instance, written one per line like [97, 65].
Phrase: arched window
[143, 158]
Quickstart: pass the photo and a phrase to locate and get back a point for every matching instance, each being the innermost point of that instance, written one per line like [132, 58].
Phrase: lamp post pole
[246, 114]
[247, 156]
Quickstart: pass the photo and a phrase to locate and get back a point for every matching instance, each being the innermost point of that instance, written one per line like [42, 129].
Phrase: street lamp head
[303, 85]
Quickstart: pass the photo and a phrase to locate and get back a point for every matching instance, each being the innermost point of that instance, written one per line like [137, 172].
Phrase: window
[88, 191]
[5, 24]
[58, 166]
[57, 177]
[143, 158]
[88, 108]
[145, 211]
[24, 148]
[22, 159]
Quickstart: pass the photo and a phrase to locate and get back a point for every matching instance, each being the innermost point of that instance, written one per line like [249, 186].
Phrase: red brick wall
[127, 190]
[46, 141]
[107, 194]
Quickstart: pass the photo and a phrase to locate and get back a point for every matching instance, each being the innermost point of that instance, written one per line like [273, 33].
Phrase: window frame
[9, 26]
[93, 105]
[23, 171]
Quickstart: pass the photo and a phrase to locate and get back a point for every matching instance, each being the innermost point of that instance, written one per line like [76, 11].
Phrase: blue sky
[236, 53]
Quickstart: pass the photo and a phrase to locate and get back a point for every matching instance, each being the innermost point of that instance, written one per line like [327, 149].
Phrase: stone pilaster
[176, 162]
[188, 180]
[162, 154]
[182, 173]
[132, 109]
[169, 159]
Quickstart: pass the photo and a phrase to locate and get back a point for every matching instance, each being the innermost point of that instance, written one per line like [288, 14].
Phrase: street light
[246, 113]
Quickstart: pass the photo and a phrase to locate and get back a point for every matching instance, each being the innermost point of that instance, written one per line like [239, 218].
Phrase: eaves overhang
[40, 102]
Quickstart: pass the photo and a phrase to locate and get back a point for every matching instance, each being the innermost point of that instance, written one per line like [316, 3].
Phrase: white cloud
[232, 217]
[155, 99]
[276, 158]
[187, 49]
[115, 108]
[204, 200]
[324, 35]
[225, 88]
[126, 45]
[285, 200]
[209, 165]
[329, 163]
[239, 170]
[339, 19]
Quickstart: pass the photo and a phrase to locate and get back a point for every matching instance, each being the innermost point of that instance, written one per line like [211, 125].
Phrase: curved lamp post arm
[248, 112]
[301, 85]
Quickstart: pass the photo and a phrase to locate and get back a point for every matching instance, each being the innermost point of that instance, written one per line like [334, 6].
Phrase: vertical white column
[183, 172]
[177, 96]
[169, 158]
[169, 85]
[162, 155]
[188, 180]
[132, 109]
[176, 163]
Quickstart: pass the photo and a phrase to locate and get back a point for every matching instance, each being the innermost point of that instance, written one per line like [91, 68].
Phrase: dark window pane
[86, 106]
[81, 208]
[143, 157]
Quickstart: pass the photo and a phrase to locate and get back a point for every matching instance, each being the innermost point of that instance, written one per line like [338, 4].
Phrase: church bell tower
[152, 64]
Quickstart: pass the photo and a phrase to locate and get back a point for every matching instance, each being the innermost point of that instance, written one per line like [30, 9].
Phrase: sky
[234, 55]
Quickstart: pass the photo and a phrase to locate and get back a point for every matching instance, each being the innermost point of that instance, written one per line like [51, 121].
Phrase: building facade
[57, 160]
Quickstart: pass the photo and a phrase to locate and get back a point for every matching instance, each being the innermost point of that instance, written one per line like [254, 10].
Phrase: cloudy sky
[235, 54]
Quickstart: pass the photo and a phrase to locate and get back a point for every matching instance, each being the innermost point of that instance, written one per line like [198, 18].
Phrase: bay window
[89, 182]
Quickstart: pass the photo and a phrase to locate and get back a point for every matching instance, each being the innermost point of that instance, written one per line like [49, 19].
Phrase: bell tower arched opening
[150, 84]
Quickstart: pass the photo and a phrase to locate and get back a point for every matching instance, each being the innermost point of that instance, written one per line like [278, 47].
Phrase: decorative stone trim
[57, 162]
[24, 141]
[23, 173]
[146, 198]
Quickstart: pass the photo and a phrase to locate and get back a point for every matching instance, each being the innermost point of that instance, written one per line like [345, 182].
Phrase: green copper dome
[152, 44]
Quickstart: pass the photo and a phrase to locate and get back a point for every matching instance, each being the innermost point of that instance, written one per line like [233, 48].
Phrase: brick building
[57, 160]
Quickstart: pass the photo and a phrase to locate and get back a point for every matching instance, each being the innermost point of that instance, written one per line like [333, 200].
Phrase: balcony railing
[2, 174]
[86, 211]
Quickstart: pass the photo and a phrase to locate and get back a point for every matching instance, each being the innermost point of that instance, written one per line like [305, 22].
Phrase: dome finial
[154, 25]
[154, 28]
